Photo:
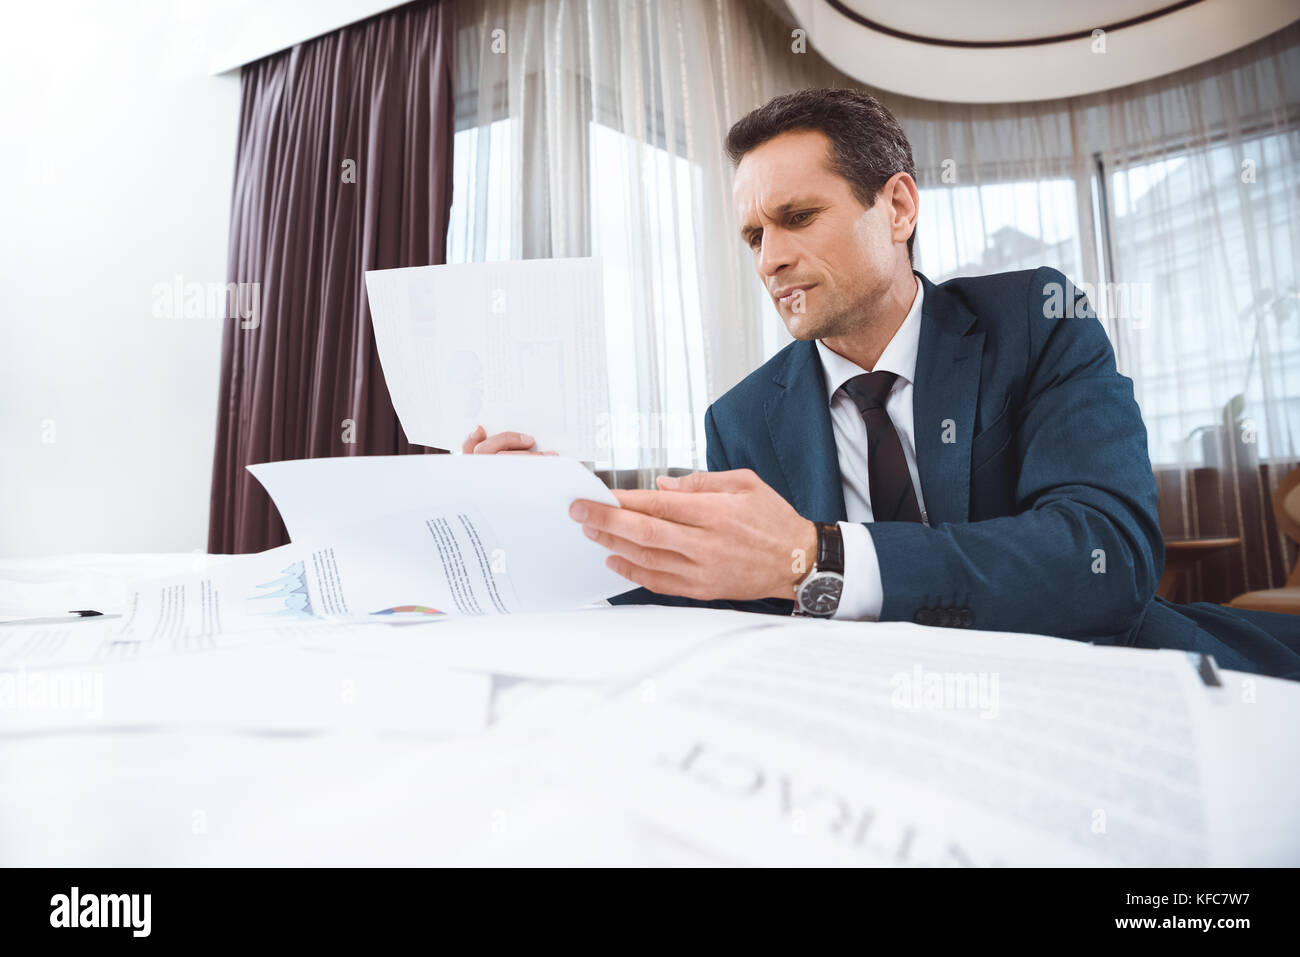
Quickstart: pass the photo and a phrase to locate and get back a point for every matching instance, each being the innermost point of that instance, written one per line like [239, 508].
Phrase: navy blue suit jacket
[1032, 459]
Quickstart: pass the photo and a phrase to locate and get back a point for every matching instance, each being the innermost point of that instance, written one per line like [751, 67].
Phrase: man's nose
[774, 252]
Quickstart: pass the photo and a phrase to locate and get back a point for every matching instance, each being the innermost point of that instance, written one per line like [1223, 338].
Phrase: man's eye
[755, 239]
[796, 218]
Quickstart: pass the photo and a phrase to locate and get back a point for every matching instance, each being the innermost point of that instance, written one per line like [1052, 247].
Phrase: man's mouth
[787, 295]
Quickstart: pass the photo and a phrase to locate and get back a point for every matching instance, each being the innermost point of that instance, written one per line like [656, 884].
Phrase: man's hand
[507, 443]
[706, 535]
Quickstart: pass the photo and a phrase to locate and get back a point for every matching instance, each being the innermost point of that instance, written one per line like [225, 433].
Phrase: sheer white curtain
[1176, 203]
[596, 128]
[1204, 201]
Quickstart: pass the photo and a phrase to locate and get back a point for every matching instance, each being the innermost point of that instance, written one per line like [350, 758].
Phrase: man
[963, 455]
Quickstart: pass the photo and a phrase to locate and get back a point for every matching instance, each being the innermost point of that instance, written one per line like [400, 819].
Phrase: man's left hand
[705, 535]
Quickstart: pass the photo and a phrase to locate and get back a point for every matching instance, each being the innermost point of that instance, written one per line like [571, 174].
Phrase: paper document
[492, 537]
[96, 642]
[871, 744]
[317, 497]
[593, 644]
[516, 346]
[267, 687]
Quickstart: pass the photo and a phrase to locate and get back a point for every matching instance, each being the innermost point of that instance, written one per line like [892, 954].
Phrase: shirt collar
[899, 356]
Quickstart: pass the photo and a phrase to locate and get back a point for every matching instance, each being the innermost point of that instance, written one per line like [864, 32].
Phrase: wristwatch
[818, 595]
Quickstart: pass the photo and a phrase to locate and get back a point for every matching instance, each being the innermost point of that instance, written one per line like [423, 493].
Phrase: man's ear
[904, 205]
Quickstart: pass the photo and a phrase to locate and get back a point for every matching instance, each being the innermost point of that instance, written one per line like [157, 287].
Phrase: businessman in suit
[963, 455]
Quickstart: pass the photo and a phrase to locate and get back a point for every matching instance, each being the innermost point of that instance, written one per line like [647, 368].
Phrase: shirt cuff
[863, 593]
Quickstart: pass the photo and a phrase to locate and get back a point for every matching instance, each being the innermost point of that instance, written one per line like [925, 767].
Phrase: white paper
[318, 497]
[513, 346]
[268, 687]
[492, 537]
[592, 644]
[91, 642]
[805, 745]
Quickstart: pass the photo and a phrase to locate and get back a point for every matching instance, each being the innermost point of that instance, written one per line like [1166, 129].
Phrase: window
[645, 235]
[1224, 319]
[481, 168]
[998, 227]
[1200, 312]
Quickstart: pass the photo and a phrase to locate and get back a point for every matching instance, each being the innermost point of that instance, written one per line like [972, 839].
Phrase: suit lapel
[944, 398]
[799, 423]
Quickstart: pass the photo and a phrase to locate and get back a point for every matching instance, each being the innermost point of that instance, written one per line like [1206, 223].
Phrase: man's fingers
[637, 527]
[474, 438]
[734, 480]
[504, 442]
[651, 559]
[673, 506]
[665, 583]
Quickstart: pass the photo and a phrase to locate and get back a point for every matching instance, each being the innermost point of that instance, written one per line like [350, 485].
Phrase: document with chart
[517, 346]
[398, 539]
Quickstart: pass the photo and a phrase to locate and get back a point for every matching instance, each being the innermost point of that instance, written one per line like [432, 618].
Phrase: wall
[115, 175]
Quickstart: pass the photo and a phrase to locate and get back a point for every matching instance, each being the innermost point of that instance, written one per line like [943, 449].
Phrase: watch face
[820, 594]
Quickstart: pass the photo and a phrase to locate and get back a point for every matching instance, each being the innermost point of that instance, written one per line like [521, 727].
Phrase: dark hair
[867, 144]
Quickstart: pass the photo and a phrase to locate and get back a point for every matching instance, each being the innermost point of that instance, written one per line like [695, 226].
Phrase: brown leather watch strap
[830, 548]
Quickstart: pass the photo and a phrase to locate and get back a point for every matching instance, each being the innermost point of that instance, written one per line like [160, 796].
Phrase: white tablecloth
[117, 798]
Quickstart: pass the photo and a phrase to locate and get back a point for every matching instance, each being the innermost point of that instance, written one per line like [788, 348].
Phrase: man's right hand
[510, 443]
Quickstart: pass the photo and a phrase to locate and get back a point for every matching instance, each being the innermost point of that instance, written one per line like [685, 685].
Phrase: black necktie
[893, 499]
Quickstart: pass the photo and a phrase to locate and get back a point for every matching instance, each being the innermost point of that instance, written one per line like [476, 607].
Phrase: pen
[59, 619]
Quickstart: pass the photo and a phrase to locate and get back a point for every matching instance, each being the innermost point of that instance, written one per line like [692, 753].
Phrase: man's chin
[803, 327]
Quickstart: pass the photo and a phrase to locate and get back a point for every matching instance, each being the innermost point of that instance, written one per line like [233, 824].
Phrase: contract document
[405, 539]
[884, 744]
[516, 346]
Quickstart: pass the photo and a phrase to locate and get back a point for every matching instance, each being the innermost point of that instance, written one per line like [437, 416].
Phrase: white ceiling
[1000, 19]
[1177, 37]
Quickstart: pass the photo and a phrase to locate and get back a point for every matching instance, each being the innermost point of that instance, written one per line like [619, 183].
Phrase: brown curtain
[344, 164]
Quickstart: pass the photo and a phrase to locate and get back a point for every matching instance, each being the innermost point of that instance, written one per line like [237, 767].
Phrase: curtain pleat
[343, 165]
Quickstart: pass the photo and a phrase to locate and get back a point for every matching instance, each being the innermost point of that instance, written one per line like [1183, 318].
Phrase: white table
[119, 798]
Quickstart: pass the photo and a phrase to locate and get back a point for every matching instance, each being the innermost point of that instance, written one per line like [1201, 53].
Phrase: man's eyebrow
[746, 231]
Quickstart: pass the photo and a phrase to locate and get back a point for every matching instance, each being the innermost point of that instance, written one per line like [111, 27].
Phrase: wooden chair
[1286, 506]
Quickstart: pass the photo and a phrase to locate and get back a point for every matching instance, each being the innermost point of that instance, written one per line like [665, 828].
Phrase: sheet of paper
[1257, 768]
[592, 644]
[491, 536]
[318, 497]
[861, 744]
[516, 346]
[265, 687]
[96, 642]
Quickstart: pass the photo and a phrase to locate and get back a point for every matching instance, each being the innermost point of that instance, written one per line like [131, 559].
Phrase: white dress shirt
[863, 594]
